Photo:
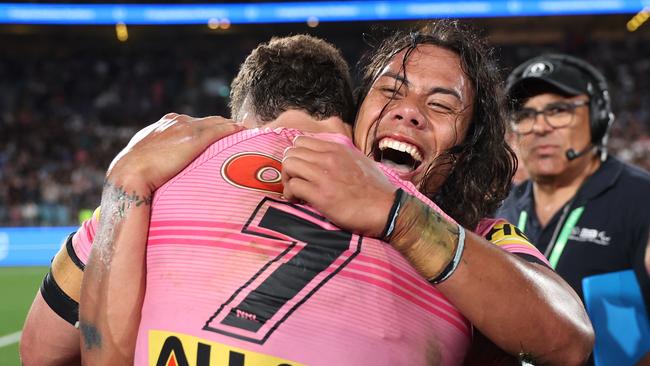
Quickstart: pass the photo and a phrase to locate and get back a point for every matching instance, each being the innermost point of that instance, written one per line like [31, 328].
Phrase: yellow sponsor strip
[167, 348]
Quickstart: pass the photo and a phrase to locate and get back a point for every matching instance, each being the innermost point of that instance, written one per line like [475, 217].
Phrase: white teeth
[412, 150]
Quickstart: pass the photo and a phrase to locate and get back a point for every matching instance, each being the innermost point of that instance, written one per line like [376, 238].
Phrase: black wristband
[392, 215]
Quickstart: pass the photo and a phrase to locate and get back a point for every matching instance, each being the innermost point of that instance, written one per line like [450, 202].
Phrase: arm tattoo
[90, 335]
[116, 205]
[424, 237]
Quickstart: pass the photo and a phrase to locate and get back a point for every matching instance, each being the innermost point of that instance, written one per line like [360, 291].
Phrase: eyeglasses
[557, 115]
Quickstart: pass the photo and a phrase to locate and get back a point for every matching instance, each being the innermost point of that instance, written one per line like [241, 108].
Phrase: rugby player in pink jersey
[501, 232]
[268, 272]
[428, 114]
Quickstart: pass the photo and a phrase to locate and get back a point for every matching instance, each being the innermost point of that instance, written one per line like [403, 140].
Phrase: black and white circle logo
[538, 69]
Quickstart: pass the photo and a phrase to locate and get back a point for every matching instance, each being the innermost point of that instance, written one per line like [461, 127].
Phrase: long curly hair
[480, 167]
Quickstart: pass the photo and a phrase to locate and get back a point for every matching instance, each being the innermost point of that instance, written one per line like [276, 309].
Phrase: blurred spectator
[64, 117]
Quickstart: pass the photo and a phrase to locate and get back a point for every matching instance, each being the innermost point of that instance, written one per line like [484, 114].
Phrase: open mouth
[401, 156]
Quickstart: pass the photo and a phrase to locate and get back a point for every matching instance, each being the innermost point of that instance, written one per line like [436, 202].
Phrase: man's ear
[246, 115]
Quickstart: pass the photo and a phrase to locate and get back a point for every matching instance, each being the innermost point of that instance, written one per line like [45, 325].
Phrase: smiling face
[409, 120]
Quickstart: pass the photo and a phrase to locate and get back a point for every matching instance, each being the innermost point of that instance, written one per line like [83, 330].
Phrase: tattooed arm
[523, 307]
[113, 287]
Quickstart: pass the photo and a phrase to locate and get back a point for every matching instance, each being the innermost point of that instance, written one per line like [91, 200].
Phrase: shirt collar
[602, 179]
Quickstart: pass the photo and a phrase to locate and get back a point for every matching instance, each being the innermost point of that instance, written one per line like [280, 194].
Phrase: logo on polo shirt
[590, 235]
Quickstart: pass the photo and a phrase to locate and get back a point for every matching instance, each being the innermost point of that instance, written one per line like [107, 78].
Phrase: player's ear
[246, 116]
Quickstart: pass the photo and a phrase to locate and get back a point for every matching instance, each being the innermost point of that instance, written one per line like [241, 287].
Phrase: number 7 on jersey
[316, 253]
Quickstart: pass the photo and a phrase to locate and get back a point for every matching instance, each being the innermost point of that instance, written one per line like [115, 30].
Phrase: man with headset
[589, 213]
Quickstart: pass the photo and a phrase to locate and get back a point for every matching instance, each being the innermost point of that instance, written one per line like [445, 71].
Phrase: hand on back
[161, 150]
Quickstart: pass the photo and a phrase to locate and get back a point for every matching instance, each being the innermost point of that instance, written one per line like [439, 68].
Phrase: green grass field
[18, 286]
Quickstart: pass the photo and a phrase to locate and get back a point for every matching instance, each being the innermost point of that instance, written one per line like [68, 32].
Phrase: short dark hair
[296, 72]
[483, 164]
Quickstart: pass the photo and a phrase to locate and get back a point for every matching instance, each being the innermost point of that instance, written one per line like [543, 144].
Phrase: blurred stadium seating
[71, 97]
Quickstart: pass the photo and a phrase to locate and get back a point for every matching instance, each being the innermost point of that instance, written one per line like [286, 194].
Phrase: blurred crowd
[64, 117]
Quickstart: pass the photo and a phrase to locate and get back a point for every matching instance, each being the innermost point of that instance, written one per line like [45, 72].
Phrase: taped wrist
[426, 239]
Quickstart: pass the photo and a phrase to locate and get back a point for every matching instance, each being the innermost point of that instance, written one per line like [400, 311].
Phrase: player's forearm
[113, 286]
[521, 307]
[524, 308]
[423, 236]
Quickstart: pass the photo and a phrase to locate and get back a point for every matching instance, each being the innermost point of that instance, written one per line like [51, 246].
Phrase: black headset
[601, 116]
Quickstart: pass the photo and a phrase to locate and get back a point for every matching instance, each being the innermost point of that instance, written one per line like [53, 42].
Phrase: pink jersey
[238, 276]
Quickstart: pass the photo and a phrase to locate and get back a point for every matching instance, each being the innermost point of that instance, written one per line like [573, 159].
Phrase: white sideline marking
[10, 339]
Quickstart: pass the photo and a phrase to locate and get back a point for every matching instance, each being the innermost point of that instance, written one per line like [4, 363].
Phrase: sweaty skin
[506, 298]
[485, 273]
[113, 285]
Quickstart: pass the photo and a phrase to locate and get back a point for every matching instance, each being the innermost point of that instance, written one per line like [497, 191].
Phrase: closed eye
[390, 92]
[387, 89]
[437, 106]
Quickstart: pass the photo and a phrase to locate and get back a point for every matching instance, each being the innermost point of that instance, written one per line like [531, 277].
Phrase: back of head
[569, 76]
[298, 72]
[483, 163]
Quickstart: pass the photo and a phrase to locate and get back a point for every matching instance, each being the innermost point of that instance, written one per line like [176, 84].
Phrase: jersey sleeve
[508, 237]
[61, 287]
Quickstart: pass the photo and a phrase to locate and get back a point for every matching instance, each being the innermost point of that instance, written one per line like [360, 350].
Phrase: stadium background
[72, 95]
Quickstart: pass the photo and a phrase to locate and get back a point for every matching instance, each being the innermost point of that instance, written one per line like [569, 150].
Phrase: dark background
[72, 96]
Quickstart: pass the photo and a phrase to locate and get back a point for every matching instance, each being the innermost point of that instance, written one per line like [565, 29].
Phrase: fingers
[168, 120]
[303, 153]
[165, 147]
[213, 128]
[174, 127]
[297, 189]
[322, 156]
[315, 144]
[304, 167]
[296, 167]
[306, 173]
[171, 115]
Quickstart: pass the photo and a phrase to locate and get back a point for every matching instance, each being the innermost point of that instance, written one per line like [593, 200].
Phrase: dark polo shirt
[611, 231]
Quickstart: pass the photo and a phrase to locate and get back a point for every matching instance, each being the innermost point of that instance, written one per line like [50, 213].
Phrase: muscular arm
[49, 335]
[47, 339]
[113, 285]
[522, 307]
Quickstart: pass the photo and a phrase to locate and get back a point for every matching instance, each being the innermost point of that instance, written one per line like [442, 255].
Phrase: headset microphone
[571, 154]
[572, 76]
